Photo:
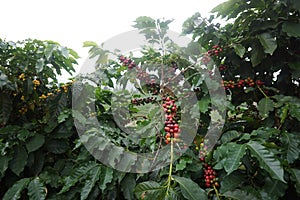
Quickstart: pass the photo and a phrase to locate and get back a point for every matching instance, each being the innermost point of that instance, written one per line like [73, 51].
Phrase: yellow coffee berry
[43, 96]
[22, 77]
[36, 82]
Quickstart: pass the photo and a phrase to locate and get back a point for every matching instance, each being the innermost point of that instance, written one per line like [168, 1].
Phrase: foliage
[256, 157]
[31, 102]
[258, 46]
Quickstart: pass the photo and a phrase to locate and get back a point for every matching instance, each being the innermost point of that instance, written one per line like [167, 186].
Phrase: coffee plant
[259, 64]
[216, 119]
[36, 128]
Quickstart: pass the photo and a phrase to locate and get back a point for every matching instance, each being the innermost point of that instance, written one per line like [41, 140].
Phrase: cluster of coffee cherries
[143, 101]
[249, 82]
[36, 83]
[142, 75]
[23, 110]
[206, 59]
[127, 62]
[148, 80]
[209, 174]
[222, 67]
[216, 49]
[172, 129]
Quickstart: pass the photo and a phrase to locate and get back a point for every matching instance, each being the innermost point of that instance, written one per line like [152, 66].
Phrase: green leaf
[296, 178]
[93, 177]
[35, 142]
[14, 192]
[224, 9]
[5, 107]
[36, 190]
[48, 51]
[51, 177]
[63, 131]
[231, 182]
[144, 22]
[106, 177]
[90, 44]
[3, 80]
[292, 147]
[203, 104]
[229, 136]
[239, 50]
[57, 146]
[115, 155]
[77, 175]
[273, 189]
[295, 4]
[266, 160]
[295, 110]
[19, 160]
[151, 190]
[234, 155]
[292, 29]
[24, 134]
[229, 156]
[265, 106]
[4, 160]
[127, 186]
[268, 42]
[240, 194]
[64, 115]
[182, 163]
[190, 190]
[78, 117]
[257, 54]
[174, 194]
[39, 65]
[74, 53]
[215, 116]
[65, 52]
[127, 161]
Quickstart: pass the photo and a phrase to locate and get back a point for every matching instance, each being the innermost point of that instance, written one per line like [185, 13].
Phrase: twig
[181, 72]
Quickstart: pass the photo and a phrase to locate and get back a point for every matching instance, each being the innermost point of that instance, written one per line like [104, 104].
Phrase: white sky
[72, 22]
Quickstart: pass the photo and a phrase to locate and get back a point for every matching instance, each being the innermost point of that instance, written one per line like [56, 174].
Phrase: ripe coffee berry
[215, 51]
[206, 59]
[141, 74]
[241, 83]
[172, 129]
[127, 62]
[210, 176]
[222, 67]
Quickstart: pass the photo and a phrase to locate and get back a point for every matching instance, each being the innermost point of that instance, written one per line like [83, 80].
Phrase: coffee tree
[258, 152]
[36, 130]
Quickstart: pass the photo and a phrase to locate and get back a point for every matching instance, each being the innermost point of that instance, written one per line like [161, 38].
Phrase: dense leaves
[189, 189]
[266, 160]
[15, 191]
[36, 190]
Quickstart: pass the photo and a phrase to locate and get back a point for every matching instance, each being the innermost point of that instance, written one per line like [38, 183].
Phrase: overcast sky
[72, 22]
